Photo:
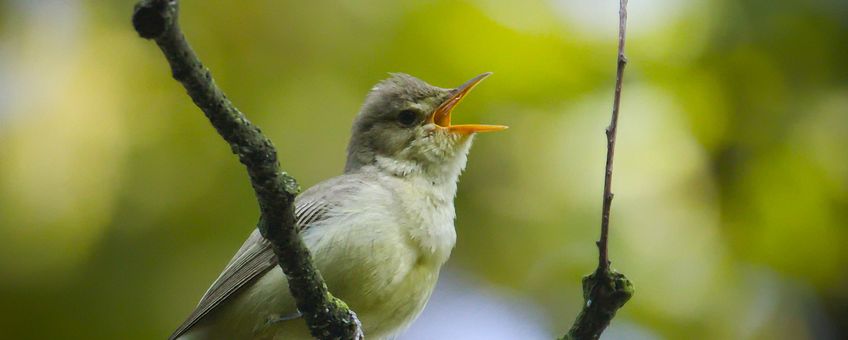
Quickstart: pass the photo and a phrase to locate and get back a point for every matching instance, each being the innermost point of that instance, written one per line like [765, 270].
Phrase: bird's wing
[255, 257]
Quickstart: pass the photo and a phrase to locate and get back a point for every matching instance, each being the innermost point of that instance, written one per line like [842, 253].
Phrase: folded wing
[255, 257]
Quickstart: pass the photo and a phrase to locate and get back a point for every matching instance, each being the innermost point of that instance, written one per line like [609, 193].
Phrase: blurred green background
[119, 204]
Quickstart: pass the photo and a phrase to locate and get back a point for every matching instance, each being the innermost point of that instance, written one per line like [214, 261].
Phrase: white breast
[380, 251]
[383, 250]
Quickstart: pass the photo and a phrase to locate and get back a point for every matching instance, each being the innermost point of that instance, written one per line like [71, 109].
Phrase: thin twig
[603, 259]
[605, 291]
[326, 316]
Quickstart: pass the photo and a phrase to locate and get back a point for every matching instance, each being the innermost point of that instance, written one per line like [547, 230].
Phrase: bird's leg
[275, 318]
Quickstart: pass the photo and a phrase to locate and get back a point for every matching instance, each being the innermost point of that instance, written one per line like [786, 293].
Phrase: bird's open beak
[442, 115]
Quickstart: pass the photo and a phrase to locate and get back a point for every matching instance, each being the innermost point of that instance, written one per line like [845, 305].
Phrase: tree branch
[326, 316]
[605, 290]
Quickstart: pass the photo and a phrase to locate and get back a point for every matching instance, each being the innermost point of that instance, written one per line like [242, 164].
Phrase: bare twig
[603, 260]
[326, 316]
[605, 291]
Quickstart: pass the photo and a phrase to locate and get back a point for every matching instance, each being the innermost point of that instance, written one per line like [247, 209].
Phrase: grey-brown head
[404, 127]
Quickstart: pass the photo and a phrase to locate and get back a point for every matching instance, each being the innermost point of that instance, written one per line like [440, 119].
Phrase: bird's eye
[407, 118]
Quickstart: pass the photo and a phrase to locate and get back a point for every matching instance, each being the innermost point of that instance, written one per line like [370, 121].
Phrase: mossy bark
[604, 292]
[326, 316]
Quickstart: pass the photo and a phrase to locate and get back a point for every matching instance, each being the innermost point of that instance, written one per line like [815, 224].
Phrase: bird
[379, 233]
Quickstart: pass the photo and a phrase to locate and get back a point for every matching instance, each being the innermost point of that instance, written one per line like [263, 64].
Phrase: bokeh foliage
[119, 204]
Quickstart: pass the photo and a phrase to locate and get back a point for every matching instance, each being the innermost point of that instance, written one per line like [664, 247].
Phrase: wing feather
[255, 257]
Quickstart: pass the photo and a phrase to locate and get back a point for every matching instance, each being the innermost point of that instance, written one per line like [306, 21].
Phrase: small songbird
[378, 234]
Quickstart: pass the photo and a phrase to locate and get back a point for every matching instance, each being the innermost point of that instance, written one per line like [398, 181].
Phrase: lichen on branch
[326, 316]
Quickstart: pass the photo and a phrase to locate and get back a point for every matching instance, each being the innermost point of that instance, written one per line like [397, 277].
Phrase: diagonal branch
[605, 291]
[326, 316]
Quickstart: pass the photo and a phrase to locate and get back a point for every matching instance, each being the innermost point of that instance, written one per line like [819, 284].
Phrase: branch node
[604, 293]
[151, 18]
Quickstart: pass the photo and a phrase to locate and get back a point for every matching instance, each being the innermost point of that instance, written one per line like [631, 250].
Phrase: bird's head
[405, 128]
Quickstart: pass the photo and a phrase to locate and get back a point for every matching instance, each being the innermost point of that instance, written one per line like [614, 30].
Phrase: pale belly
[387, 285]
[377, 254]
[395, 311]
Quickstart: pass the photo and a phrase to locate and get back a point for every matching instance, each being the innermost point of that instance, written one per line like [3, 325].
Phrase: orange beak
[442, 115]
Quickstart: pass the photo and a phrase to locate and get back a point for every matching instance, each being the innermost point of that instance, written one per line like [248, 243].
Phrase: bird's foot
[275, 318]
